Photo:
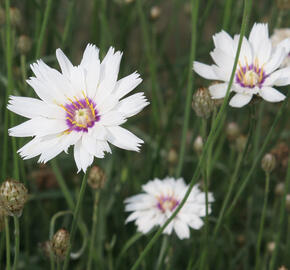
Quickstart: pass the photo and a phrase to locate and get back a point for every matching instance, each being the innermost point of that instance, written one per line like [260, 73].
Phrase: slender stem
[43, 28]
[68, 23]
[23, 70]
[227, 14]
[206, 146]
[17, 242]
[75, 220]
[58, 265]
[163, 249]
[194, 12]
[53, 219]
[7, 235]
[93, 232]
[260, 235]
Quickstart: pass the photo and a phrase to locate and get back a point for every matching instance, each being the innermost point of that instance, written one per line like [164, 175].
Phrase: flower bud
[279, 189]
[202, 103]
[13, 196]
[15, 16]
[24, 44]
[232, 131]
[60, 243]
[288, 202]
[198, 145]
[282, 268]
[155, 12]
[96, 178]
[2, 16]
[172, 156]
[271, 247]
[241, 142]
[128, 1]
[3, 214]
[268, 163]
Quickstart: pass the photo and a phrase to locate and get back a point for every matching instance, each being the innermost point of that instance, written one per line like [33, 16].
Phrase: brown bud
[288, 202]
[232, 131]
[15, 16]
[13, 196]
[282, 268]
[279, 189]
[241, 239]
[202, 103]
[172, 156]
[241, 142]
[271, 247]
[60, 243]
[24, 44]
[155, 12]
[96, 178]
[268, 163]
[3, 214]
[198, 145]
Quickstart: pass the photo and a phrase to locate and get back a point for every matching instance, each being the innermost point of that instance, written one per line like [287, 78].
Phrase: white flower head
[278, 36]
[83, 106]
[256, 72]
[160, 199]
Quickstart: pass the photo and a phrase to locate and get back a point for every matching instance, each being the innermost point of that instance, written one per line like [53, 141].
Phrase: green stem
[23, 70]
[260, 235]
[7, 235]
[194, 17]
[17, 242]
[256, 161]
[163, 249]
[75, 220]
[68, 23]
[227, 14]
[43, 28]
[206, 146]
[93, 232]
[53, 219]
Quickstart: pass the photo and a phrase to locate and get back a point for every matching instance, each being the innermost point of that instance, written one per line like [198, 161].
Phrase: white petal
[181, 229]
[77, 78]
[64, 63]
[205, 71]
[240, 100]
[285, 44]
[224, 41]
[272, 95]
[196, 223]
[107, 104]
[218, 90]
[127, 84]
[275, 61]
[280, 77]
[222, 59]
[112, 118]
[123, 138]
[132, 105]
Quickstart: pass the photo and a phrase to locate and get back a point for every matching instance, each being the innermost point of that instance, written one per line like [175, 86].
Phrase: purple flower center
[167, 203]
[81, 114]
[250, 76]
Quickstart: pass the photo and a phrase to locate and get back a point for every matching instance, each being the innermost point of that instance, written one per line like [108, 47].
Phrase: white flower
[160, 200]
[83, 106]
[256, 70]
[278, 36]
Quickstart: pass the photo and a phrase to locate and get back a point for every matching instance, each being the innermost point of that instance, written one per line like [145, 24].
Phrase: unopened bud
[3, 214]
[288, 202]
[96, 178]
[202, 103]
[232, 131]
[2, 16]
[271, 247]
[282, 268]
[13, 196]
[60, 243]
[279, 189]
[241, 142]
[15, 16]
[155, 12]
[128, 1]
[241, 239]
[24, 44]
[198, 145]
[172, 156]
[268, 163]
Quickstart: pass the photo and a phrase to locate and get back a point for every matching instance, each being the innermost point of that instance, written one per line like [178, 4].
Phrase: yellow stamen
[246, 60]
[66, 110]
[72, 102]
[239, 75]
[261, 74]
[79, 102]
[241, 69]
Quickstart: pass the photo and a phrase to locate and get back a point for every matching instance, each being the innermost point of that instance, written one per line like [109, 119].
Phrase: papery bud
[241, 142]
[288, 202]
[198, 145]
[96, 178]
[15, 16]
[271, 247]
[60, 243]
[2, 16]
[155, 12]
[13, 196]
[202, 103]
[45, 248]
[268, 163]
[282, 268]
[172, 156]
[24, 44]
[128, 1]
[280, 189]
[232, 131]
[283, 4]
[241, 239]
[3, 214]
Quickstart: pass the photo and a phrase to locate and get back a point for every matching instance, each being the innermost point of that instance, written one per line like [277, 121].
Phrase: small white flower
[160, 200]
[278, 36]
[82, 106]
[256, 71]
